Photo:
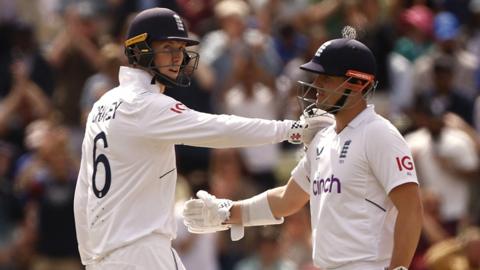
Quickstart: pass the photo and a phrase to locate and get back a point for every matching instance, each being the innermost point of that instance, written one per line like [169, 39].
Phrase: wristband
[256, 211]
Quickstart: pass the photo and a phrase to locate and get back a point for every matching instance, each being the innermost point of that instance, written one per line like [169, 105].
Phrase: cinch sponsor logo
[329, 185]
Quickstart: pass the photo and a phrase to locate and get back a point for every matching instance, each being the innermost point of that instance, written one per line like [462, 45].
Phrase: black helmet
[339, 56]
[345, 57]
[159, 24]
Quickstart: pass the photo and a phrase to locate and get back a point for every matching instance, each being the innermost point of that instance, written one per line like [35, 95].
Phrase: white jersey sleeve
[300, 173]
[170, 121]
[388, 155]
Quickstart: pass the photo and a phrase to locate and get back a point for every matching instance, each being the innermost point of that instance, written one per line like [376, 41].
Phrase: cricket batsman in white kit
[357, 174]
[124, 199]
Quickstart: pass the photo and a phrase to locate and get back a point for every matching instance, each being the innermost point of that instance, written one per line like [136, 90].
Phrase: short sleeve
[388, 155]
[300, 174]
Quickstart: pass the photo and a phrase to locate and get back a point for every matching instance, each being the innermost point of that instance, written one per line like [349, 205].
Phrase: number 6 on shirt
[101, 159]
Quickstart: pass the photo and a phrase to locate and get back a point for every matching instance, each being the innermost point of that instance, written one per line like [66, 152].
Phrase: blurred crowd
[57, 57]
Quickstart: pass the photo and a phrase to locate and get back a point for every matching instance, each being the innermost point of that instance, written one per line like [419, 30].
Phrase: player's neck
[344, 117]
[161, 88]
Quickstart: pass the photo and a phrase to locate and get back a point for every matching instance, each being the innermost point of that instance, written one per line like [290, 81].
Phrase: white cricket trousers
[377, 265]
[152, 252]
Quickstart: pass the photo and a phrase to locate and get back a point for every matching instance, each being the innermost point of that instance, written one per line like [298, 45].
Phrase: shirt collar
[365, 114]
[138, 77]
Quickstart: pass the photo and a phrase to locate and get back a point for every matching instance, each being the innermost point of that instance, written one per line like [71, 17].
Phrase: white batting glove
[303, 130]
[315, 124]
[207, 214]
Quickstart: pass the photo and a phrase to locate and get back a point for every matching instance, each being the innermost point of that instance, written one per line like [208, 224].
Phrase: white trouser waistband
[156, 238]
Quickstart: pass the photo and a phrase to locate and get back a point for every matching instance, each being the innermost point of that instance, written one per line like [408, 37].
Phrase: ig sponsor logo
[404, 163]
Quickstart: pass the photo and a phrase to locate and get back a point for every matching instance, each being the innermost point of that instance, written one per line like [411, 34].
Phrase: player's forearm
[225, 131]
[281, 204]
[282, 201]
[407, 233]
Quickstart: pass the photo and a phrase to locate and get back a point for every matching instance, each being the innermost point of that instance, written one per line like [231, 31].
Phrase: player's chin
[171, 74]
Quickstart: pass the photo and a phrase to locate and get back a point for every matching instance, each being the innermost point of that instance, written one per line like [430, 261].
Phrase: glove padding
[305, 129]
[315, 124]
[207, 214]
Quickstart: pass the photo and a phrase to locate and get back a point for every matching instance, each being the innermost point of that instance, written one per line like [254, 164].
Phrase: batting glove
[207, 214]
[315, 124]
[305, 129]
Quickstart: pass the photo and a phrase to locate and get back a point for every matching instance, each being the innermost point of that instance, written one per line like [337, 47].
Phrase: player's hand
[304, 130]
[206, 214]
[314, 124]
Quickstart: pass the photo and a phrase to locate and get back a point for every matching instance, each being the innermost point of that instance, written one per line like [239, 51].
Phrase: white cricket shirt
[126, 184]
[348, 176]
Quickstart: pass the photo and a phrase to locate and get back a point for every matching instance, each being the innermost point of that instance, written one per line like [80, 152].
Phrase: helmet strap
[163, 79]
[340, 102]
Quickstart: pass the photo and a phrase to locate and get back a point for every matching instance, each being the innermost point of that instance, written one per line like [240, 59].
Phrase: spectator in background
[223, 49]
[268, 253]
[46, 180]
[10, 213]
[199, 14]
[473, 31]
[289, 42]
[26, 82]
[21, 45]
[15, 232]
[24, 103]
[446, 31]
[456, 122]
[456, 253]
[377, 32]
[250, 97]
[75, 55]
[445, 93]
[104, 80]
[415, 39]
[446, 160]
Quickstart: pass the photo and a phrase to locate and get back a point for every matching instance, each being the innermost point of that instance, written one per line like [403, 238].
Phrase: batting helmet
[343, 57]
[159, 24]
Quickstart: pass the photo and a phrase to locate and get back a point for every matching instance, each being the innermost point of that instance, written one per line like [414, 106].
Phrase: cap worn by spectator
[445, 26]
[420, 17]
